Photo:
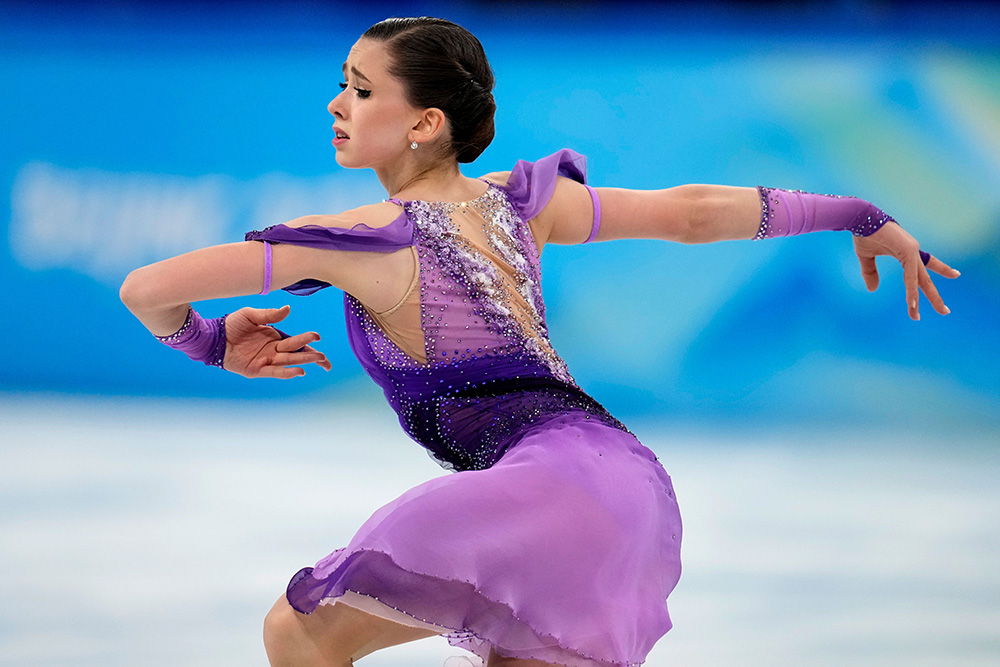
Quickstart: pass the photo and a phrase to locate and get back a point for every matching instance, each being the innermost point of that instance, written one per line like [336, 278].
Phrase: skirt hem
[470, 619]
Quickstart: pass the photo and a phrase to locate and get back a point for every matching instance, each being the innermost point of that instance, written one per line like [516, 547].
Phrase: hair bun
[442, 65]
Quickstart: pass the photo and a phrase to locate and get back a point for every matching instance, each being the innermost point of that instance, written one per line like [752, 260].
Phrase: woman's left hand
[894, 241]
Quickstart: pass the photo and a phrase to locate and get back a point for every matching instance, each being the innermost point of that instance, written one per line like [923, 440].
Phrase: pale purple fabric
[793, 212]
[396, 235]
[202, 340]
[596, 227]
[267, 269]
[558, 536]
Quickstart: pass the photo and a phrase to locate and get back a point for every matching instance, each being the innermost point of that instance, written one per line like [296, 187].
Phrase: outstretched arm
[684, 214]
[708, 213]
[160, 294]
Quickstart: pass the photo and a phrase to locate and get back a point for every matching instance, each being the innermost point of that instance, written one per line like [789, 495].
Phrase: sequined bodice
[465, 358]
[479, 288]
[489, 370]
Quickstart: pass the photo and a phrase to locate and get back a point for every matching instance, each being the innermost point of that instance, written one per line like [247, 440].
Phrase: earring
[413, 145]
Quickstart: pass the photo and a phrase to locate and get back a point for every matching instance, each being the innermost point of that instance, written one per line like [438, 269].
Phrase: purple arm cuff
[267, 268]
[202, 340]
[597, 214]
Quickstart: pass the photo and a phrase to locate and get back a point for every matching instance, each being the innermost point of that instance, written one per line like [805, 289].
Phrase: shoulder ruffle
[397, 235]
[531, 184]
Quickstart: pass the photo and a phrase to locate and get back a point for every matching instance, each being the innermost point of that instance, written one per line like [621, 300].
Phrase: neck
[440, 180]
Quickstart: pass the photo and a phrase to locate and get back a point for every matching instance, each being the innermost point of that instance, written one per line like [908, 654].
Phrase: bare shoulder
[497, 177]
[372, 215]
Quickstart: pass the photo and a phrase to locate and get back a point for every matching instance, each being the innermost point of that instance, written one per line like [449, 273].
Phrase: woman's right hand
[256, 349]
[894, 241]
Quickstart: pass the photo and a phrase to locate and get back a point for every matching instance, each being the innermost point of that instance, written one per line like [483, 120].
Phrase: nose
[335, 107]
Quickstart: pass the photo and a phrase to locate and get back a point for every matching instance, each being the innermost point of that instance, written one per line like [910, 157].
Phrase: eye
[362, 93]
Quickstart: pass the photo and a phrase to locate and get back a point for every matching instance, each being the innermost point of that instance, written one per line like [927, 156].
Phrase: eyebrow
[357, 73]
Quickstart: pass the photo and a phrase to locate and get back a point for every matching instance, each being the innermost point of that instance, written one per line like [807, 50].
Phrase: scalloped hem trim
[477, 640]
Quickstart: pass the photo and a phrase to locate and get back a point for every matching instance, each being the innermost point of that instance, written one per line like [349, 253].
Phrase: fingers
[930, 291]
[285, 365]
[917, 279]
[911, 280]
[295, 350]
[869, 272]
[323, 363]
[281, 372]
[264, 316]
[916, 264]
[939, 267]
[320, 360]
[292, 343]
[299, 358]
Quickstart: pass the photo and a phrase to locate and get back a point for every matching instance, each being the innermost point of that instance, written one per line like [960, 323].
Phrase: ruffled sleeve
[531, 184]
[397, 235]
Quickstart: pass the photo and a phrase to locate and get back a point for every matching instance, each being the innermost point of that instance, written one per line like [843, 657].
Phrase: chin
[355, 160]
[345, 160]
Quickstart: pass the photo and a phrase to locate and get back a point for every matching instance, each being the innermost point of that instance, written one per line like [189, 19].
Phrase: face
[372, 118]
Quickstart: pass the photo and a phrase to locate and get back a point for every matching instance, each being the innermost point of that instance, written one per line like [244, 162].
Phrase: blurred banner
[133, 132]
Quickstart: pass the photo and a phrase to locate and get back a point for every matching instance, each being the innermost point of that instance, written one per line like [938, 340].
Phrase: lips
[340, 137]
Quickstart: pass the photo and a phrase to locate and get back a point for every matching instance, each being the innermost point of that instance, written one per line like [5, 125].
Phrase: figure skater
[556, 540]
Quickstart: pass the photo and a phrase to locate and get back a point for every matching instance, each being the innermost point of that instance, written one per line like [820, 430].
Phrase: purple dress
[558, 536]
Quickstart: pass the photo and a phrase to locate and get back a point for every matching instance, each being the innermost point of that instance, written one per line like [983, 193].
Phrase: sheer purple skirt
[563, 551]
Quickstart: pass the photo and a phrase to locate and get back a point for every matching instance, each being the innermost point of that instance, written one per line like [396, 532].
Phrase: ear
[431, 124]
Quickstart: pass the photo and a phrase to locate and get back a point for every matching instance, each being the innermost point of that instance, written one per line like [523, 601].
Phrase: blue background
[836, 463]
[133, 132]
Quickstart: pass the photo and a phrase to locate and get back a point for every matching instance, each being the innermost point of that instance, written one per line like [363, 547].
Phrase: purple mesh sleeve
[202, 340]
[793, 212]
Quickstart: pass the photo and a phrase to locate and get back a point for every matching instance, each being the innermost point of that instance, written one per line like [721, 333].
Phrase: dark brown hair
[442, 65]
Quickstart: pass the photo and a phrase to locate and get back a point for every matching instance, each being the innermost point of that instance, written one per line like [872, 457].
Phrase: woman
[557, 539]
